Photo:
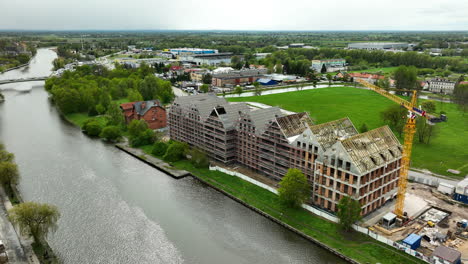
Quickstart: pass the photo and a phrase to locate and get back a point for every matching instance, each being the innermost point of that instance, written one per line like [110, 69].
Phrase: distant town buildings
[378, 45]
[331, 65]
[191, 51]
[368, 77]
[441, 86]
[240, 77]
[151, 111]
[335, 158]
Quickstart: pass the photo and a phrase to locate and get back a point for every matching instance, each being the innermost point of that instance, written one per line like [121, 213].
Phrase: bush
[111, 133]
[92, 128]
[175, 152]
[146, 137]
[159, 148]
[198, 158]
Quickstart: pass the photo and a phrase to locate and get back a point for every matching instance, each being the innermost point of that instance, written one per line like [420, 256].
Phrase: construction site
[372, 167]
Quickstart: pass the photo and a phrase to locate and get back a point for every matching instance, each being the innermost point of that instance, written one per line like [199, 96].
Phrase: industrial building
[331, 65]
[240, 77]
[209, 59]
[334, 157]
[189, 51]
[378, 45]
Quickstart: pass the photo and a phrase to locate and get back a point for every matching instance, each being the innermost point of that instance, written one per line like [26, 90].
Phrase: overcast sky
[235, 14]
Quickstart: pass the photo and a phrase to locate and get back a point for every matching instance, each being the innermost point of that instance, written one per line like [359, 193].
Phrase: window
[340, 163]
[348, 166]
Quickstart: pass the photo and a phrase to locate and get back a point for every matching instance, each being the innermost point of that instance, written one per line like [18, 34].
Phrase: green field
[448, 148]
[354, 245]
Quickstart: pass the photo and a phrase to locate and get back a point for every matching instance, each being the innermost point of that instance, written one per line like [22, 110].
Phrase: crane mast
[409, 131]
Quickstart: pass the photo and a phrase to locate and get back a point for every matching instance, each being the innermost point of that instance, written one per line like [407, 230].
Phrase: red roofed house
[150, 111]
[368, 77]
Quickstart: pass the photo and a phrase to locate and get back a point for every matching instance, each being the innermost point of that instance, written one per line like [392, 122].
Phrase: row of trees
[34, 219]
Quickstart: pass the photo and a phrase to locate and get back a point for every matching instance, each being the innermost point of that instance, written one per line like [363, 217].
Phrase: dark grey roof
[231, 114]
[447, 253]
[262, 117]
[204, 103]
[142, 107]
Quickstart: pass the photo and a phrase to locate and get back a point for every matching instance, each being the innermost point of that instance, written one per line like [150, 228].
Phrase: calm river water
[116, 209]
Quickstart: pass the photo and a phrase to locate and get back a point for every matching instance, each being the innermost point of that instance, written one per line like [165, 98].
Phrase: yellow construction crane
[409, 131]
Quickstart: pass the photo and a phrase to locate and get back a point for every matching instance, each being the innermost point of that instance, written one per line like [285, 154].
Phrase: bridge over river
[24, 80]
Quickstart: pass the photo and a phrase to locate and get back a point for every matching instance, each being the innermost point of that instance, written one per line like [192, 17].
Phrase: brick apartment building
[334, 157]
[150, 111]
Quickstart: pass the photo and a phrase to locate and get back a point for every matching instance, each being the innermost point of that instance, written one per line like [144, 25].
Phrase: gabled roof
[229, 114]
[294, 124]
[373, 148]
[142, 107]
[262, 117]
[329, 133]
[204, 103]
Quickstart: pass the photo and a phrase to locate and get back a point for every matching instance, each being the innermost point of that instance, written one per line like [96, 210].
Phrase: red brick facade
[150, 111]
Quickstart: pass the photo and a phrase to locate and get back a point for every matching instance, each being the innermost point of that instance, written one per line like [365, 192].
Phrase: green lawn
[447, 149]
[355, 245]
[80, 118]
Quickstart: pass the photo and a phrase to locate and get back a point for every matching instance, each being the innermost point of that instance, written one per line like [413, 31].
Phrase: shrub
[111, 133]
[146, 137]
[159, 148]
[92, 128]
[198, 158]
[176, 151]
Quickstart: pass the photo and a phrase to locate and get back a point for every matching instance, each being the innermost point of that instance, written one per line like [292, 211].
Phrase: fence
[331, 217]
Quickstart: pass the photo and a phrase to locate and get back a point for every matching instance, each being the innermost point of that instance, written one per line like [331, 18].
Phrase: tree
[395, 118]
[100, 109]
[176, 151]
[236, 62]
[460, 96]
[8, 173]
[238, 90]
[324, 69]
[424, 130]
[363, 128]
[429, 106]
[159, 148]
[198, 158]
[329, 78]
[92, 128]
[384, 83]
[140, 134]
[114, 115]
[207, 78]
[294, 189]
[349, 212]
[6, 156]
[258, 90]
[35, 218]
[406, 77]
[111, 133]
[205, 88]
[134, 96]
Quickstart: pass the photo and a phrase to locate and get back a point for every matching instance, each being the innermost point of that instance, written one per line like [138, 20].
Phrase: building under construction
[335, 158]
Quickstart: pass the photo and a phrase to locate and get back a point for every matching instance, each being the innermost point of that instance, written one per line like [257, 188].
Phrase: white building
[441, 86]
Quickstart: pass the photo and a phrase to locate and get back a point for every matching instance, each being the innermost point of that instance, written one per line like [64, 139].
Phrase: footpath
[18, 247]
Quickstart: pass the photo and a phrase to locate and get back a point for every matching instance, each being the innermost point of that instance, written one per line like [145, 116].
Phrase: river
[116, 209]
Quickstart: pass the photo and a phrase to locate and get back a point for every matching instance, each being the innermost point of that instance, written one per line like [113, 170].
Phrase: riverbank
[16, 67]
[353, 247]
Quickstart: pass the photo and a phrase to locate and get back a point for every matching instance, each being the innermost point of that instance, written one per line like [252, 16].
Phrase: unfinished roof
[372, 149]
[449, 254]
[294, 124]
[142, 107]
[262, 117]
[329, 133]
[229, 113]
[204, 103]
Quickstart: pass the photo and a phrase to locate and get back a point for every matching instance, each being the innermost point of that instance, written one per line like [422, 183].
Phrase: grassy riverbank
[447, 149]
[354, 245]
